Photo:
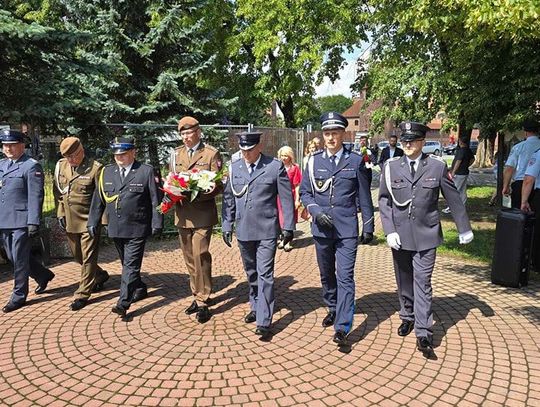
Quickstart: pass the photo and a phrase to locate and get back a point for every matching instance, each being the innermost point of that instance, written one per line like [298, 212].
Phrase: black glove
[62, 223]
[92, 230]
[287, 237]
[33, 230]
[227, 238]
[366, 238]
[156, 231]
[324, 220]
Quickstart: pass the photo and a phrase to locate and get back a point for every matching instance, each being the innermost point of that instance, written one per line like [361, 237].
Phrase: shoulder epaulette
[62, 160]
[109, 165]
[393, 159]
[317, 152]
[211, 148]
[33, 160]
[356, 152]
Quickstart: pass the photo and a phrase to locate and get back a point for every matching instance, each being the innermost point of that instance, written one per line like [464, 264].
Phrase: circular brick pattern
[486, 339]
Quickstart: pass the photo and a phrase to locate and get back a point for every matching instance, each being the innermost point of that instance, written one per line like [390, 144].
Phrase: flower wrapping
[187, 185]
[366, 157]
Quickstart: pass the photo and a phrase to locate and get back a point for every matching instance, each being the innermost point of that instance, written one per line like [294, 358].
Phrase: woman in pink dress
[294, 172]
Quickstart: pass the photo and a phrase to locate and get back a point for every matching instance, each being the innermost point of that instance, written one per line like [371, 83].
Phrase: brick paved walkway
[487, 340]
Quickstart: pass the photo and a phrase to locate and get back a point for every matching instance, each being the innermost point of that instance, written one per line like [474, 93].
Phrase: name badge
[84, 177]
[135, 185]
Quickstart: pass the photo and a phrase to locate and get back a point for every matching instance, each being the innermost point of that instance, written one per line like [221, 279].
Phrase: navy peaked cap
[12, 137]
[248, 140]
[333, 120]
[411, 131]
[122, 144]
[532, 125]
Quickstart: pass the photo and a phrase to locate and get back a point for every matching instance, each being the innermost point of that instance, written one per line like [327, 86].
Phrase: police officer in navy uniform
[408, 205]
[21, 193]
[334, 187]
[250, 204]
[128, 192]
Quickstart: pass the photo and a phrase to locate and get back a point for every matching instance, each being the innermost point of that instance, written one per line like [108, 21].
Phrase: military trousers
[258, 258]
[16, 244]
[413, 276]
[85, 251]
[131, 252]
[460, 181]
[336, 259]
[195, 244]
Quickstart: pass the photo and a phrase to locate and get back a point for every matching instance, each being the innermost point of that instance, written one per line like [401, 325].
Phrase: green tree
[292, 45]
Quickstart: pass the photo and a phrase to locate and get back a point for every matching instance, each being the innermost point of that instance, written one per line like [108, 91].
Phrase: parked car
[385, 143]
[432, 147]
[450, 148]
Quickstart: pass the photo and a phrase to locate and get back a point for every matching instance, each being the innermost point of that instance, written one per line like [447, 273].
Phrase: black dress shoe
[424, 344]
[405, 328]
[203, 315]
[263, 332]
[340, 337]
[12, 307]
[78, 304]
[41, 287]
[140, 294]
[192, 309]
[119, 310]
[329, 319]
[251, 317]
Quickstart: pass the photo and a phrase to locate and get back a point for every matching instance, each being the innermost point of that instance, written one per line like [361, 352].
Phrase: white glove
[393, 241]
[466, 237]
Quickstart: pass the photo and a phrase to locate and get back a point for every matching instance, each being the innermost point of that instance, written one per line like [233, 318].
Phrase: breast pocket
[85, 187]
[136, 190]
[16, 182]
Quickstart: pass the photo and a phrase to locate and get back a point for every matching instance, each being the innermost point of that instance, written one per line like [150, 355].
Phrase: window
[356, 122]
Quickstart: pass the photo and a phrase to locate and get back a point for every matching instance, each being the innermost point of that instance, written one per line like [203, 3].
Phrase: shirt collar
[415, 161]
[337, 155]
[128, 168]
[194, 148]
[256, 162]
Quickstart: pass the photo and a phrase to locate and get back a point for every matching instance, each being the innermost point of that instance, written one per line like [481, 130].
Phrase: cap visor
[247, 147]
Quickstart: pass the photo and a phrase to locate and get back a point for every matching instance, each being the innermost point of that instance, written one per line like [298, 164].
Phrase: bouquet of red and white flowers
[187, 185]
[366, 157]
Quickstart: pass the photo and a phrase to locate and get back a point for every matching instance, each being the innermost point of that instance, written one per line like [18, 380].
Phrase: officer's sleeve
[306, 193]
[35, 184]
[59, 198]
[97, 207]
[286, 198]
[364, 202]
[385, 202]
[228, 206]
[512, 159]
[453, 198]
[215, 165]
[533, 166]
[157, 218]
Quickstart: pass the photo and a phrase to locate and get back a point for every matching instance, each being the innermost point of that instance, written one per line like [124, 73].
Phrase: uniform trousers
[85, 250]
[16, 244]
[195, 244]
[131, 251]
[336, 259]
[516, 194]
[413, 276]
[258, 259]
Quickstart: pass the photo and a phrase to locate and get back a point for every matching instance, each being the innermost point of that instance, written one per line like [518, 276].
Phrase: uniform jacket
[348, 193]
[202, 212]
[255, 212]
[385, 154]
[21, 193]
[133, 213]
[418, 223]
[74, 191]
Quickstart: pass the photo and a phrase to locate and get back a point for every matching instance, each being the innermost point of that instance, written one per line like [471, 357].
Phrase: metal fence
[156, 142]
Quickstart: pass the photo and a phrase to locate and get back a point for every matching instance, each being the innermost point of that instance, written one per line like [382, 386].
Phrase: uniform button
[118, 215]
[414, 207]
[414, 196]
[413, 218]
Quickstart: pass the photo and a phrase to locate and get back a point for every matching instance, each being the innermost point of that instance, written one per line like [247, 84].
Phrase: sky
[347, 75]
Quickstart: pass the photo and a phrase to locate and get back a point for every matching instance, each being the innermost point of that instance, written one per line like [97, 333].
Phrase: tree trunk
[287, 108]
[483, 154]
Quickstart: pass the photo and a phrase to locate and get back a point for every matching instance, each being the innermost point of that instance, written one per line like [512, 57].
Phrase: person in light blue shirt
[516, 164]
[531, 186]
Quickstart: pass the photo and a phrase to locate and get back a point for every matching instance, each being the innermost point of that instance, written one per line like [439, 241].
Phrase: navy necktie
[251, 168]
[333, 161]
[190, 152]
[123, 173]
[413, 171]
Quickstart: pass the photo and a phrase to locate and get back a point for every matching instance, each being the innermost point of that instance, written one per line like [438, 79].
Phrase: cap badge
[407, 126]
